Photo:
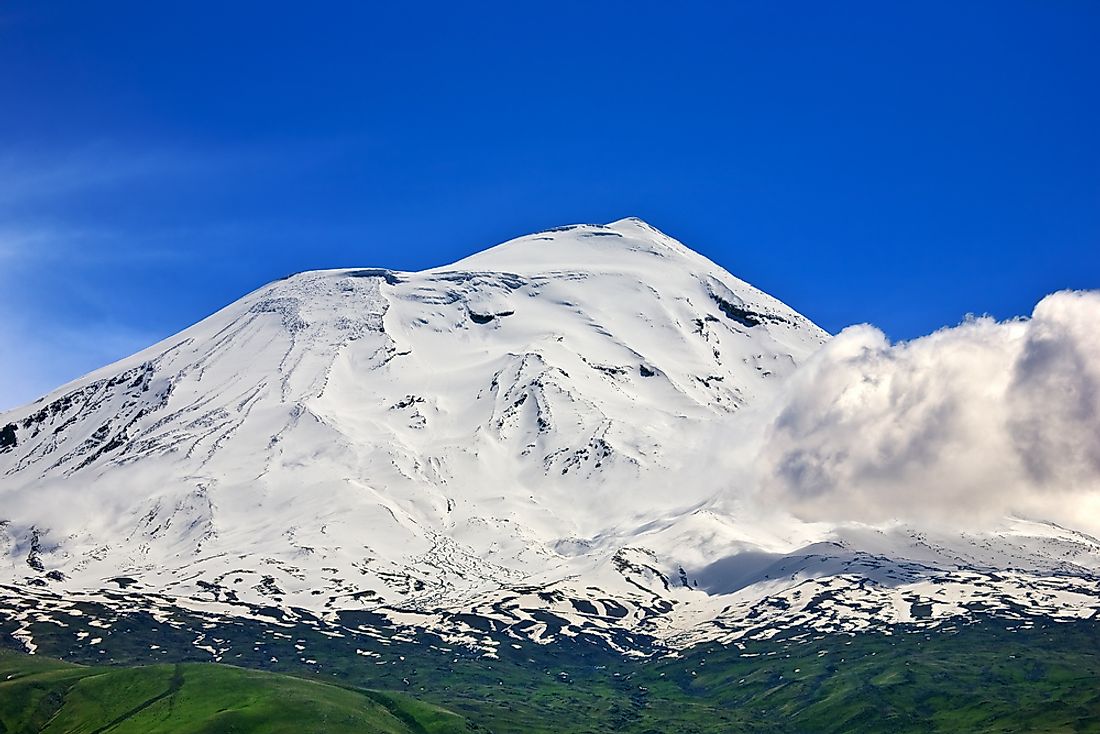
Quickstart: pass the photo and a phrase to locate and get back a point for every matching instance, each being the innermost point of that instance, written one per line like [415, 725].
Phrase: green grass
[54, 697]
[986, 678]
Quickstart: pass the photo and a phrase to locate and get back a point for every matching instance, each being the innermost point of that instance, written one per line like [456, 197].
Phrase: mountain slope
[536, 435]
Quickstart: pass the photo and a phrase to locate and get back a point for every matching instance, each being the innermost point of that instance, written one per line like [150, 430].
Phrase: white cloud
[977, 421]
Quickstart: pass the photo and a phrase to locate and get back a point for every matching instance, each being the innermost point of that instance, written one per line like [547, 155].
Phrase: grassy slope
[984, 678]
[973, 681]
[978, 679]
[49, 696]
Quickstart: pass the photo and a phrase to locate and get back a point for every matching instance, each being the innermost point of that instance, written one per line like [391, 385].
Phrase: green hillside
[985, 678]
[43, 695]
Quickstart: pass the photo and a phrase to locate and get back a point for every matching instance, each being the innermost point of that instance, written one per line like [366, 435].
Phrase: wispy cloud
[27, 177]
[45, 197]
[54, 247]
[35, 360]
[36, 246]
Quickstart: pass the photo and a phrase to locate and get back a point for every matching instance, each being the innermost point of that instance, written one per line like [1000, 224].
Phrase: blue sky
[863, 161]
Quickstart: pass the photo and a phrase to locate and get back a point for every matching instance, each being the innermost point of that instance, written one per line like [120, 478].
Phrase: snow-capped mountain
[532, 437]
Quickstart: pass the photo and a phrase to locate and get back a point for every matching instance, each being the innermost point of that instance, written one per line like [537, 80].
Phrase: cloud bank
[966, 424]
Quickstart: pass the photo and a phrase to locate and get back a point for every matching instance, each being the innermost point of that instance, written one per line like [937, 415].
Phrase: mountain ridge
[537, 436]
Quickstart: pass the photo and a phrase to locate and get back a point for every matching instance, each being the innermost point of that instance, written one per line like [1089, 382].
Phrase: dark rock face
[34, 558]
[484, 318]
[737, 313]
[7, 437]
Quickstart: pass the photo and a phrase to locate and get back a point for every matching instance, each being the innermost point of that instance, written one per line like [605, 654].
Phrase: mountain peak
[634, 222]
[629, 244]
